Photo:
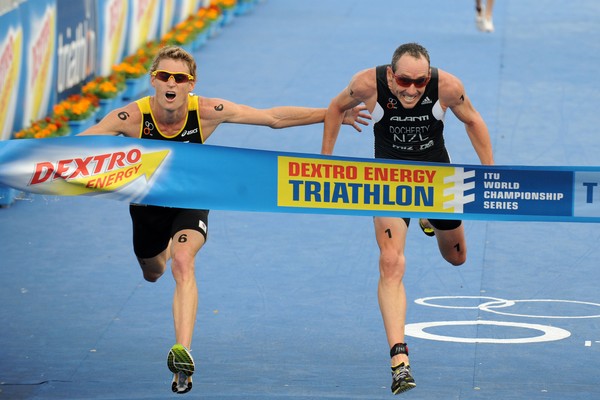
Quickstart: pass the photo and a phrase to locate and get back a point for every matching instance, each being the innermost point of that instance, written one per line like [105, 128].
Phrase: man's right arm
[358, 91]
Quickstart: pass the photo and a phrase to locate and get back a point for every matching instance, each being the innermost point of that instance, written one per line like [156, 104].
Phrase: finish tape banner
[225, 178]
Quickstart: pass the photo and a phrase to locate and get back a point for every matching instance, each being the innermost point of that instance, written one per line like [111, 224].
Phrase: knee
[152, 268]
[456, 258]
[182, 266]
[152, 276]
[460, 260]
[391, 266]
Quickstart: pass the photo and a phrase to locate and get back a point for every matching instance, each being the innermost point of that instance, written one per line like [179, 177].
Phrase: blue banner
[214, 177]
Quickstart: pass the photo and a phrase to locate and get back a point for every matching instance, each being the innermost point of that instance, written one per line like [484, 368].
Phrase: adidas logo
[426, 101]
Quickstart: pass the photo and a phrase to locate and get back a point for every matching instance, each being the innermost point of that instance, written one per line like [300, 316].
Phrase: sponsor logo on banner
[167, 15]
[40, 65]
[10, 62]
[354, 185]
[76, 49]
[112, 27]
[103, 172]
[116, 29]
[143, 23]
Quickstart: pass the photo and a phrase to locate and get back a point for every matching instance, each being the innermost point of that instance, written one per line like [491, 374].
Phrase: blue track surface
[288, 306]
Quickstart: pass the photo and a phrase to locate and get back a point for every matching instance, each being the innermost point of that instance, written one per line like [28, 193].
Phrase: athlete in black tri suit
[408, 100]
[163, 233]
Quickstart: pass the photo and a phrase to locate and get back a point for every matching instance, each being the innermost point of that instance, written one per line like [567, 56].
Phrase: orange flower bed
[45, 128]
[105, 87]
[76, 107]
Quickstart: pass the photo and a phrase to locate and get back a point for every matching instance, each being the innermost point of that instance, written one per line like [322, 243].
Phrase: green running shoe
[180, 360]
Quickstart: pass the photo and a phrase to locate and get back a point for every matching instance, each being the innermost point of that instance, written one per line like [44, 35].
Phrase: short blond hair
[174, 53]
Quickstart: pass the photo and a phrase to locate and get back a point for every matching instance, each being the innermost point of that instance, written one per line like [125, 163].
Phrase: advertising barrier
[11, 54]
[38, 79]
[112, 17]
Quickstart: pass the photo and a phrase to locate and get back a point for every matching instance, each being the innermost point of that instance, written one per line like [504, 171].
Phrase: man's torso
[409, 134]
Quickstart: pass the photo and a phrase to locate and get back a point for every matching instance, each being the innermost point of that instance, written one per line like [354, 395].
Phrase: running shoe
[426, 230]
[180, 360]
[402, 380]
[182, 383]
[480, 21]
[488, 25]
[484, 24]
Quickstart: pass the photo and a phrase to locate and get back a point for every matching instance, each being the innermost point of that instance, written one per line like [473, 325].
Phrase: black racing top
[409, 134]
[192, 129]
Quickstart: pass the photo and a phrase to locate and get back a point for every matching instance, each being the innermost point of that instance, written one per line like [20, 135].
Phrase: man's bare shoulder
[449, 82]
[213, 108]
[129, 116]
[451, 89]
[363, 84]
[124, 120]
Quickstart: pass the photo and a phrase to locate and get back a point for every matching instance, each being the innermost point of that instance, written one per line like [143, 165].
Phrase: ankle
[399, 354]
[399, 361]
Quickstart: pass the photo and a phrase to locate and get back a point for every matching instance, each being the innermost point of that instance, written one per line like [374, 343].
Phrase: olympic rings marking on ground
[494, 303]
[487, 306]
[491, 305]
[550, 333]
[424, 301]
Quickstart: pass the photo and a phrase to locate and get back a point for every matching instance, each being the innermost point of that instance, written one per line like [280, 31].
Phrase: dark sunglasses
[406, 82]
[180, 77]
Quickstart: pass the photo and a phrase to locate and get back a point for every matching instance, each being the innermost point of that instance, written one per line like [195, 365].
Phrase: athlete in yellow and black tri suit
[161, 234]
[154, 226]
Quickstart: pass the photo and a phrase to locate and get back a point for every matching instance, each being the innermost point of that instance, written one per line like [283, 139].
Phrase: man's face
[173, 92]
[409, 79]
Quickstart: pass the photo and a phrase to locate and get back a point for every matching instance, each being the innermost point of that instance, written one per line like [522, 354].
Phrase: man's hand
[357, 115]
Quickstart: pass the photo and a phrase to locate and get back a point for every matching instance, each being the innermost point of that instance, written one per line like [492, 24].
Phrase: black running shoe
[402, 380]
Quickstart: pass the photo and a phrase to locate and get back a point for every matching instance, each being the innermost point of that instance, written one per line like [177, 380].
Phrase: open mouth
[170, 95]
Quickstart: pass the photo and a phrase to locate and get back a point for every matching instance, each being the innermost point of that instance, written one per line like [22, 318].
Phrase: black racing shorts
[440, 156]
[154, 226]
[441, 224]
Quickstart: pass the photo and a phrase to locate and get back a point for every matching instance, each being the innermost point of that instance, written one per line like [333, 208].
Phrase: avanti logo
[419, 118]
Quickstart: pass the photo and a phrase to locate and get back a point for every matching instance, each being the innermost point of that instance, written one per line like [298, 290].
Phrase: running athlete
[407, 101]
[484, 15]
[163, 233]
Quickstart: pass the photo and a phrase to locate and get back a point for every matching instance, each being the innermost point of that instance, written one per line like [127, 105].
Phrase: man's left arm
[456, 98]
